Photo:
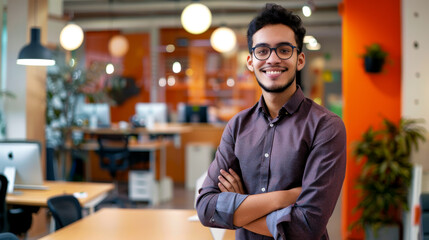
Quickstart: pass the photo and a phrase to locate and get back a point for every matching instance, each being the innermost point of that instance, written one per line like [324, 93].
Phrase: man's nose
[273, 58]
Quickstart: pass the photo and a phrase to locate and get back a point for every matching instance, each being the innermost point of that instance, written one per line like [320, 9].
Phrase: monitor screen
[24, 156]
[193, 113]
[100, 110]
[157, 112]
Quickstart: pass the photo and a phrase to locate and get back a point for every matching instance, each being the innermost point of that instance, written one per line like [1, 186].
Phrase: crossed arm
[251, 214]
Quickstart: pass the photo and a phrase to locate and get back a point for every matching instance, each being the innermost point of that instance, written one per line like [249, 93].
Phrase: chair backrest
[3, 213]
[113, 152]
[65, 209]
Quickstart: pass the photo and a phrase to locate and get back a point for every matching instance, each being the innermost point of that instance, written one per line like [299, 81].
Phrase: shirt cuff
[226, 205]
[274, 218]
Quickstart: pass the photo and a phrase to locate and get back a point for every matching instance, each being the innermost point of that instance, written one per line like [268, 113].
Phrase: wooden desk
[130, 224]
[96, 192]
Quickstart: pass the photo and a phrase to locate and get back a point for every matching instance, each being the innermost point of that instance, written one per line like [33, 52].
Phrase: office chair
[114, 156]
[424, 217]
[65, 209]
[8, 236]
[3, 211]
[14, 220]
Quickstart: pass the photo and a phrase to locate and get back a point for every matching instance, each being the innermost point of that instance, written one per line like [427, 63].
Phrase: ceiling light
[196, 18]
[118, 46]
[177, 67]
[306, 10]
[34, 53]
[110, 68]
[313, 46]
[308, 38]
[71, 37]
[223, 39]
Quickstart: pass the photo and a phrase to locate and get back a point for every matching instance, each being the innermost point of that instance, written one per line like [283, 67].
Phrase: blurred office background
[136, 52]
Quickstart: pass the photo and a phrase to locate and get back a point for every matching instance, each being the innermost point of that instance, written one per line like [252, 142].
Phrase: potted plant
[374, 58]
[386, 175]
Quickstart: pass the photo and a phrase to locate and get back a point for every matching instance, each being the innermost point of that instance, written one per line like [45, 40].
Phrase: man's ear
[301, 62]
[249, 63]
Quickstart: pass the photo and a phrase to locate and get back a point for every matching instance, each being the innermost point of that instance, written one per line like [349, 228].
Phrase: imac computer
[152, 113]
[99, 110]
[193, 113]
[20, 163]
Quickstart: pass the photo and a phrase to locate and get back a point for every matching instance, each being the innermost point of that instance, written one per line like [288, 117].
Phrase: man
[279, 168]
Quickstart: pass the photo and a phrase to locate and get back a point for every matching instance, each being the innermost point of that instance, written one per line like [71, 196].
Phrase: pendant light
[223, 39]
[34, 54]
[196, 18]
[71, 37]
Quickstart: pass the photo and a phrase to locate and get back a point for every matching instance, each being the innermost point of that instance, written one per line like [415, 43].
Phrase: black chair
[16, 220]
[3, 209]
[424, 219]
[8, 236]
[114, 156]
[65, 209]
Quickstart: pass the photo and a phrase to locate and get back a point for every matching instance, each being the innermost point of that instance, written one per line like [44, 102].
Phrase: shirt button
[267, 155]
[271, 125]
[211, 220]
[263, 189]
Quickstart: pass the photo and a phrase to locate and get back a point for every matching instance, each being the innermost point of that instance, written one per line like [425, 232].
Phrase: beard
[277, 89]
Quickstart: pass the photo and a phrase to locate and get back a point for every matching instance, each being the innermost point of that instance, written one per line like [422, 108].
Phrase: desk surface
[40, 197]
[159, 128]
[130, 224]
[132, 146]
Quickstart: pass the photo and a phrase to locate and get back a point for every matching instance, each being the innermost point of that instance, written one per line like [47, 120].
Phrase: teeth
[274, 72]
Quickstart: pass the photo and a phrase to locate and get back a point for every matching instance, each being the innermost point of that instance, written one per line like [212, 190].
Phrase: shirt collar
[290, 106]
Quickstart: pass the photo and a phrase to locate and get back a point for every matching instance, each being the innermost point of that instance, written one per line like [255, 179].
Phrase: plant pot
[386, 232]
[373, 65]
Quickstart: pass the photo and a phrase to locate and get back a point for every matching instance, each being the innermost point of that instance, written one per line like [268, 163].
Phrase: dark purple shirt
[304, 146]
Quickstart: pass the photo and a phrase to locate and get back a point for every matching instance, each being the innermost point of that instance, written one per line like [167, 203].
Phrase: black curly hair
[276, 14]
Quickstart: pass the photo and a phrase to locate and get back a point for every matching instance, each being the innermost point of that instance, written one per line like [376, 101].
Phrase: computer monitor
[24, 158]
[156, 112]
[193, 113]
[100, 110]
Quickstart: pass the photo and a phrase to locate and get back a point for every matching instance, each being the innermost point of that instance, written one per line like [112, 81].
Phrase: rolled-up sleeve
[321, 185]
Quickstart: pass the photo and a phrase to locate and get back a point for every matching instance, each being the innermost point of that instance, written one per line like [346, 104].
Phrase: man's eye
[284, 50]
[262, 51]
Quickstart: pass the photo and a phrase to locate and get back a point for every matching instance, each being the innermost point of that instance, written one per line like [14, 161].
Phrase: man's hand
[230, 182]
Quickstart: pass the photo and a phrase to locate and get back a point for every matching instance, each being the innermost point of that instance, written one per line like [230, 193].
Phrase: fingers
[226, 184]
[238, 179]
[230, 181]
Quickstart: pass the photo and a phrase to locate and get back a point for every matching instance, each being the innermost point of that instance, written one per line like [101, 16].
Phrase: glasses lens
[284, 51]
[262, 53]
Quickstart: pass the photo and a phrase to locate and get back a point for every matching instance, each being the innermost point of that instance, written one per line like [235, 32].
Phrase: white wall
[16, 79]
[415, 68]
[415, 91]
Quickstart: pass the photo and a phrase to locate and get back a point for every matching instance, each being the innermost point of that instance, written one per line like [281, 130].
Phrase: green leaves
[386, 171]
[375, 51]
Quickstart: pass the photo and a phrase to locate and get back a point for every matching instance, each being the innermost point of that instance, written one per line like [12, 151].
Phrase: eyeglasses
[284, 51]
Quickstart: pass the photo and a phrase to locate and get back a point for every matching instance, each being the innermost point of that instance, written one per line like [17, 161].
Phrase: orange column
[368, 98]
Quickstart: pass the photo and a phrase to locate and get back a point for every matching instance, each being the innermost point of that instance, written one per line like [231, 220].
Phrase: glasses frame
[275, 50]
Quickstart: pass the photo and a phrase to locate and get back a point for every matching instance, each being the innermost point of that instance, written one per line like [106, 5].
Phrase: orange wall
[135, 64]
[367, 97]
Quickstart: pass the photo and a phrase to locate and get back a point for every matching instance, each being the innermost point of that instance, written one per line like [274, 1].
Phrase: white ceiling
[135, 15]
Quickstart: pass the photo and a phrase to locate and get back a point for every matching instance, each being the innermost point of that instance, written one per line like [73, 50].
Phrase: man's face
[275, 74]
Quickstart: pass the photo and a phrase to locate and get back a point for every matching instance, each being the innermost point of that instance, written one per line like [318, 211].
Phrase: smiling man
[279, 168]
